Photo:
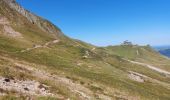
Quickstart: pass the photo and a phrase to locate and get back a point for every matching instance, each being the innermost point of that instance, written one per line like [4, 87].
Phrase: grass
[103, 65]
[62, 57]
[145, 54]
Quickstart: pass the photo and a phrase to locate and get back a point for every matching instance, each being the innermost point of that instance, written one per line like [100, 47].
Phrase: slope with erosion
[65, 68]
[96, 69]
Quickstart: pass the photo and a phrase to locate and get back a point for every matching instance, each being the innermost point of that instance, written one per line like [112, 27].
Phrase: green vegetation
[102, 70]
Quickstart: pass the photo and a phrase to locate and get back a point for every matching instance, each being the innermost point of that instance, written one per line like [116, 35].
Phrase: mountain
[39, 62]
[165, 52]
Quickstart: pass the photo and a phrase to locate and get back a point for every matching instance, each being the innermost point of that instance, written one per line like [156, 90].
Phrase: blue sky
[108, 22]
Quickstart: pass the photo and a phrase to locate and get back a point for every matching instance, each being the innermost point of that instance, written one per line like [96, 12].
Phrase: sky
[108, 22]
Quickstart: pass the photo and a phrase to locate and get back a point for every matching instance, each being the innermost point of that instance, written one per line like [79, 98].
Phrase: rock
[40, 22]
[136, 77]
[11, 32]
[7, 29]
[43, 87]
[85, 57]
[56, 41]
[26, 89]
[7, 80]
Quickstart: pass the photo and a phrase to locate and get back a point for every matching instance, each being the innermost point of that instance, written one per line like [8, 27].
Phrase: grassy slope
[65, 57]
[103, 65]
[145, 54]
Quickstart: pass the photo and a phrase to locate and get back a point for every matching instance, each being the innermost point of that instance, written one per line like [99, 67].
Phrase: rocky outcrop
[7, 29]
[26, 87]
[136, 76]
[43, 24]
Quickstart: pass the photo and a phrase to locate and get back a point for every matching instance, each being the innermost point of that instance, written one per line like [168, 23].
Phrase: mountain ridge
[40, 22]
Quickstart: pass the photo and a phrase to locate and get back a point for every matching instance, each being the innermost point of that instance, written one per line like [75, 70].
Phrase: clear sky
[108, 22]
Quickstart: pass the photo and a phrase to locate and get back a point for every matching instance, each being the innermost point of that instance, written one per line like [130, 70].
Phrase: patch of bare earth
[7, 29]
[83, 92]
[143, 78]
[26, 87]
[136, 76]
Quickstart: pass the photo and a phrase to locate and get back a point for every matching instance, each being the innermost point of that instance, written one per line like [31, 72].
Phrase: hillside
[144, 54]
[37, 61]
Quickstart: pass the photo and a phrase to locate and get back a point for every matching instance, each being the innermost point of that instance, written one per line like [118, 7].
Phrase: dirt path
[142, 78]
[150, 66]
[41, 46]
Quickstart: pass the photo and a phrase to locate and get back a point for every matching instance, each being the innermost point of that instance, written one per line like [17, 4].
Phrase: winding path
[150, 66]
[40, 46]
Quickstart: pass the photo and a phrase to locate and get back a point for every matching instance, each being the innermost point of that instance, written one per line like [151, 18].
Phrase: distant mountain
[165, 52]
[158, 48]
